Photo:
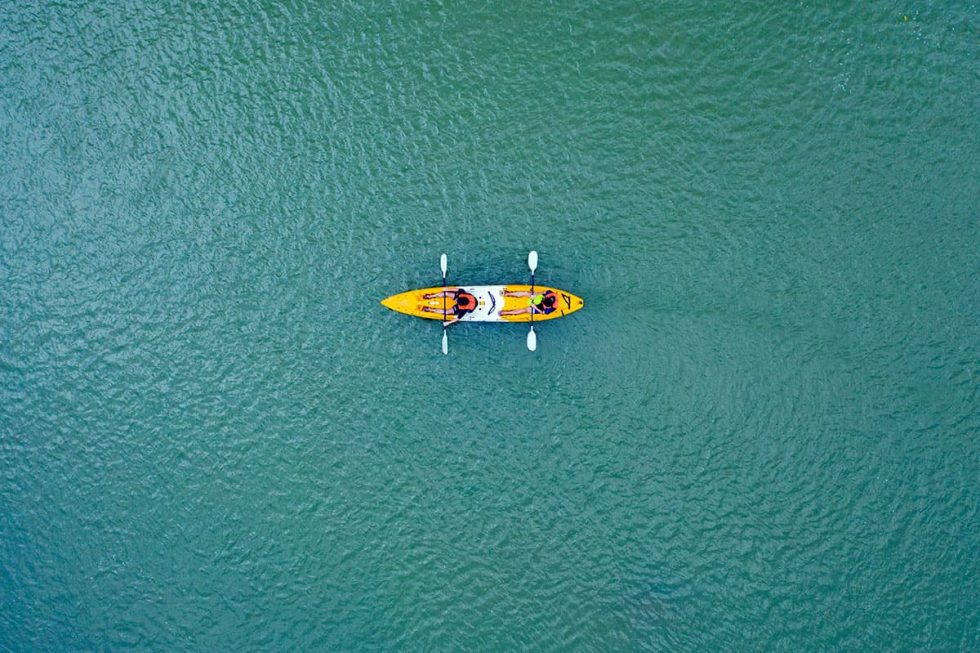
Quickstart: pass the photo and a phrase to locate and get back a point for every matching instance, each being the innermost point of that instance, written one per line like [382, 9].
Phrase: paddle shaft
[532, 299]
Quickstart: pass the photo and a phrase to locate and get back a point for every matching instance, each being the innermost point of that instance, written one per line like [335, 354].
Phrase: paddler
[539, 303]
[463, 303]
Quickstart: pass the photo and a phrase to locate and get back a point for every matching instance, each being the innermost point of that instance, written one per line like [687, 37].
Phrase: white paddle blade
[445, 342]
[442, 264]
[532, 340]
[532, 262]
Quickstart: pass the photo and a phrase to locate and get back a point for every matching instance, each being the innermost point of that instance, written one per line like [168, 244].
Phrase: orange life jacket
[465, 301]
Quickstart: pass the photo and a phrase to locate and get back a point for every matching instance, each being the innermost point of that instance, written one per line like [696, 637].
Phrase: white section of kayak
[490, 299]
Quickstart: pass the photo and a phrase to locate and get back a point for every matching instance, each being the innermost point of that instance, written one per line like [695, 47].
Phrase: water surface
[759, 434]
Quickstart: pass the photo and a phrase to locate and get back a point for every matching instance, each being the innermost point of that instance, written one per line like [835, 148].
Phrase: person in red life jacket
[461, 304]
[538, 303]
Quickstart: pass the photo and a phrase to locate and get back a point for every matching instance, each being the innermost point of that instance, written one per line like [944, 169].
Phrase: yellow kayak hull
[491, 300]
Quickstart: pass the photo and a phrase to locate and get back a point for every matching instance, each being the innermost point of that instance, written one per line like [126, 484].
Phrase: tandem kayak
[491, 300]
[511, 303]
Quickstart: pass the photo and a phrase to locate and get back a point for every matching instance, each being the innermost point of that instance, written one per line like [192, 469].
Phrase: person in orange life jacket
[462, 303]
[538, 303]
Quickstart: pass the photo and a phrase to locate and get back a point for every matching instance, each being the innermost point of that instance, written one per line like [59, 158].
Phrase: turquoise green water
[759, 434]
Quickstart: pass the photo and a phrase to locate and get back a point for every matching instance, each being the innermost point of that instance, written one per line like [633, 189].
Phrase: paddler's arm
[450, 322]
